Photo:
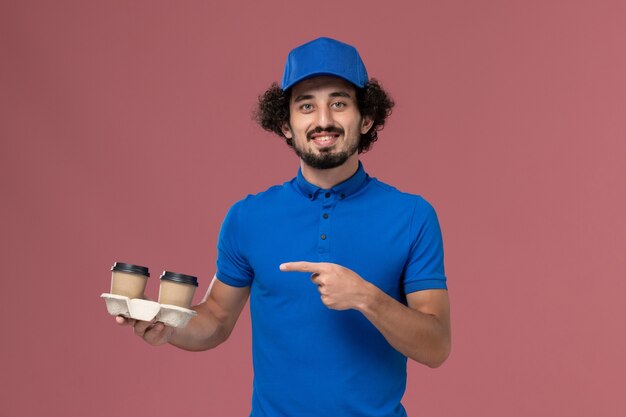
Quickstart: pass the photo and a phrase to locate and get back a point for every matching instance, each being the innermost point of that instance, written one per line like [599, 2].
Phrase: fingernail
[282, 267]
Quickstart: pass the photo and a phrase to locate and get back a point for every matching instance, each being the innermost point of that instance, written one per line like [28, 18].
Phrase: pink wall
[125, 135]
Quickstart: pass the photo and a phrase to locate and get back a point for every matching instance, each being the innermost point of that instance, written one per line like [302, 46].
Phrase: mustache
[328, 129]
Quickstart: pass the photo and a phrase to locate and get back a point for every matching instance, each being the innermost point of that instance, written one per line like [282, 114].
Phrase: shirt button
[310, 196]
[323, 237]
[327, 195]
[325, 215]
[342, 196]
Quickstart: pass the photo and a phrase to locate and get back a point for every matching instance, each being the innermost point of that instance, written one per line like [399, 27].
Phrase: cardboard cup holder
[145, 310]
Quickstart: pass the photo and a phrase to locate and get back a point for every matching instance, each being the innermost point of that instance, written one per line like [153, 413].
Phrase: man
[344, 273]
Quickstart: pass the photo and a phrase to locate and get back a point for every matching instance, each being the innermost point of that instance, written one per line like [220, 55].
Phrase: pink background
[126, 135]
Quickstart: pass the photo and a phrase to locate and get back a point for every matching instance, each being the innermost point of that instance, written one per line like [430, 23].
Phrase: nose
[324, 117]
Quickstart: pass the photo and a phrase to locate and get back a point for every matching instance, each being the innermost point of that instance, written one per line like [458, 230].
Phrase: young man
[344, 273]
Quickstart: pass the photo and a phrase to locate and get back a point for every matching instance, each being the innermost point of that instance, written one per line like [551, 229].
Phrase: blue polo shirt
[310, 360]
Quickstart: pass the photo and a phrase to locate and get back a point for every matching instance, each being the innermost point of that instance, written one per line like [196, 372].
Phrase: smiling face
[324, 122]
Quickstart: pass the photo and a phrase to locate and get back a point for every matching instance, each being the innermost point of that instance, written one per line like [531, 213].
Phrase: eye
[338, 105]
[306, 107]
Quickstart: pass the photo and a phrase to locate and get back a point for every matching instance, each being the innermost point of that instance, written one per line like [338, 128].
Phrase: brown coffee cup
[129, 280]
[177, 289]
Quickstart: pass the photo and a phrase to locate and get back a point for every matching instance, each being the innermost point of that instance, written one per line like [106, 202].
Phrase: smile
[324, 138]
[325, 141]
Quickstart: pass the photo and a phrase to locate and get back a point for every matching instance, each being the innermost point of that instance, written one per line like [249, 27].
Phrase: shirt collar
[350, 186]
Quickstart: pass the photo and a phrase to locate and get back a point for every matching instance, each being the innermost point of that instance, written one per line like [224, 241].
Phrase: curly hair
[273, 110]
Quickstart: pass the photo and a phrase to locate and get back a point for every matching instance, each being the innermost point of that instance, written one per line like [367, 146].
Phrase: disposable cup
[129, 280]
[177, 289]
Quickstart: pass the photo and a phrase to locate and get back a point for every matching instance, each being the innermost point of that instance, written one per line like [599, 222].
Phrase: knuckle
[150, 337]
[140, 328]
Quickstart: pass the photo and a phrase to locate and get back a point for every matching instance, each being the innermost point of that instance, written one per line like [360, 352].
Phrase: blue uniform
[310, 360]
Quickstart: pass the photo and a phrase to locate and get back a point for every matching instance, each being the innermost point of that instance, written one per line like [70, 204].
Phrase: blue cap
[324, 56]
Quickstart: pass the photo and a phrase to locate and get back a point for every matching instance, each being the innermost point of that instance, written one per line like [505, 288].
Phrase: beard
[326, 159]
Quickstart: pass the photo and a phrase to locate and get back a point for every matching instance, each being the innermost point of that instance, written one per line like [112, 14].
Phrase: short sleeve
[424, 269]
[233, 267]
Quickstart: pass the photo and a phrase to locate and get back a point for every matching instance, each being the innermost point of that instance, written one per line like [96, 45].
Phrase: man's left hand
[340, 288]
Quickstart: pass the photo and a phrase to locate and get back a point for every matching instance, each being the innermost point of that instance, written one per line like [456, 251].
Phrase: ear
[287, 131]
[366, 124]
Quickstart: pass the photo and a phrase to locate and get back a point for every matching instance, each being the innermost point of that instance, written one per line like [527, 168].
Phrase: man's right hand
[154, 333]
[215, 319]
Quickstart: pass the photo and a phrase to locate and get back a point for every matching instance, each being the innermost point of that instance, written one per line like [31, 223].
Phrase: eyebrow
[310, 96]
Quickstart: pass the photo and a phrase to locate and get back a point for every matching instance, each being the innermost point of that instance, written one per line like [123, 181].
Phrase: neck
[328, 178]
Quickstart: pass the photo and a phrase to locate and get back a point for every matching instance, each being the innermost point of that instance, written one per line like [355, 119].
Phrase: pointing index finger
[301, 266]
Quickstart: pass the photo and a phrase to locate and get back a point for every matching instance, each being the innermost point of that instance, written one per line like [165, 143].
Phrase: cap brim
[319, 74]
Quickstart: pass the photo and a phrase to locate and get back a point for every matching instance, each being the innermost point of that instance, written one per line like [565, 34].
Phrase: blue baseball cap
[324, 56]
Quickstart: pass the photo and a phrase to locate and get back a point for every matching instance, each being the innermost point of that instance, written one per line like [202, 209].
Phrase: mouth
[324, 139]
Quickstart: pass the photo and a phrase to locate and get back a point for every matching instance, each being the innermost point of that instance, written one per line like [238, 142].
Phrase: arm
[421, 330]
[217, 314]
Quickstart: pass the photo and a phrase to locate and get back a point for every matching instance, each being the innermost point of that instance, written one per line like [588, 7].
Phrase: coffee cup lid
[181, 278]
[133, 269]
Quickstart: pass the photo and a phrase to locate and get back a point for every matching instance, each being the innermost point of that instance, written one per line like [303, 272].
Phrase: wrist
[370, 298]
